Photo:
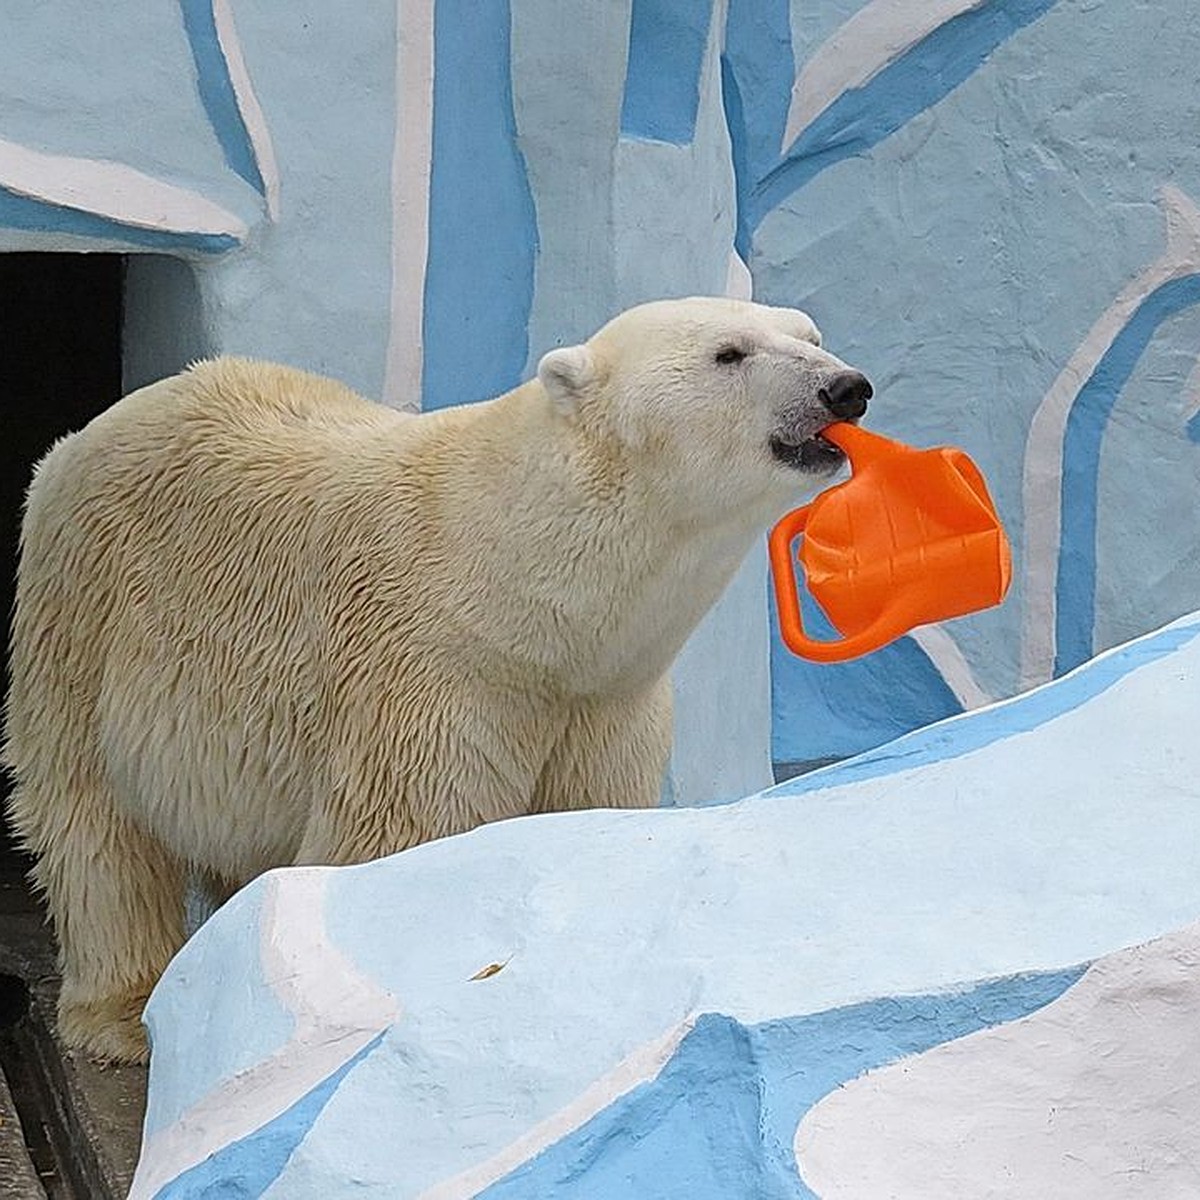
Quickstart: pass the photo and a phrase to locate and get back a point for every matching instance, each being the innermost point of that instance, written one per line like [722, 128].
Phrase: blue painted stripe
[824, 710]
[735, 122]
[1075, 597]
[243, 1170]
[804, 1059]
[757, 71]
[862, 117]
[667, 40]
[719, 1120]
[482, 228]
[217, 93]
[974, 731]
[1193, 429]
[25, 212]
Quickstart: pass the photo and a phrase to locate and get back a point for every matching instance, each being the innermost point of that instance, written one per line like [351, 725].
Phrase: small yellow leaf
[488, 971]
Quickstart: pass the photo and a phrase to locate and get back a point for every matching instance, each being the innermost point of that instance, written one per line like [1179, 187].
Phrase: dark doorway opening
[76, 332]
[60, 365]
[60, 328]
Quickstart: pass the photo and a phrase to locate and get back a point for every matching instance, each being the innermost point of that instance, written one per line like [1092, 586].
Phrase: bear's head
[720, 401]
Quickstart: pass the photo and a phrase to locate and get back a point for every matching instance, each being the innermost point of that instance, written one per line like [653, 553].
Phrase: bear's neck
[569, 562]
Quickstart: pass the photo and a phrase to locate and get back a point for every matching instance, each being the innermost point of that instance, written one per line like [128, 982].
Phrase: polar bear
[263, 621]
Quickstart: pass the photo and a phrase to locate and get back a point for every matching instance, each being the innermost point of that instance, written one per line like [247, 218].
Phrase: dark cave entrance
[60, 365]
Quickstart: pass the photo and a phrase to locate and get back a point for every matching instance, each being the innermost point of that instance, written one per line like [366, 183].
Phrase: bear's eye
[729, 354]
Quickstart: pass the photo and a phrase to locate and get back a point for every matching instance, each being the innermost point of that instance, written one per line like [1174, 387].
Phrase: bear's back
[254, 399]
[180, 564]
[230, 488]
[222, 424]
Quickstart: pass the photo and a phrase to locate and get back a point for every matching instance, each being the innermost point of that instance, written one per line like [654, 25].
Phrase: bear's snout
[846, 395]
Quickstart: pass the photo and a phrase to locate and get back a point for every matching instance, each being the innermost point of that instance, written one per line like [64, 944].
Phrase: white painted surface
[738, 283]
[942, 650]
[336, 1009]
[411, 164]
[1030, 835]
[641, 1066]
[873, 37]
[248, 105]
[113, 190]
[1095, 1095]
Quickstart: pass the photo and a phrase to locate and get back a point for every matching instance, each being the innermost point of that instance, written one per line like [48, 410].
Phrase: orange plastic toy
[911, 537]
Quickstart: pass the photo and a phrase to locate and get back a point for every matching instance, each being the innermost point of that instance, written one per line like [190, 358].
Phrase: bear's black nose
[846, 395]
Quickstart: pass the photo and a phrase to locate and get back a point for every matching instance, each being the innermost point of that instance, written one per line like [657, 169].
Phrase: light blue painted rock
[668, 1003]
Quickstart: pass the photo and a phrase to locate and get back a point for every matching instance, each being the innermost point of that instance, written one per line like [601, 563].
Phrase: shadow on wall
[164, 327]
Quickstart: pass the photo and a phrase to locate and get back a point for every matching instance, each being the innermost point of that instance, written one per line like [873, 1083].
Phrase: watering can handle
[890, 626]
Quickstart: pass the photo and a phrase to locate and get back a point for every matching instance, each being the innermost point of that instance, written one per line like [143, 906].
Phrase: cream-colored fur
[263, 621]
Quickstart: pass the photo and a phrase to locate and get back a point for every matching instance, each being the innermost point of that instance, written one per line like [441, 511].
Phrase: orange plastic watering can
[911, 537]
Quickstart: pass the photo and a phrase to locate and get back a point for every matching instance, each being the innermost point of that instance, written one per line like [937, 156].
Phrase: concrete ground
[69, 1129]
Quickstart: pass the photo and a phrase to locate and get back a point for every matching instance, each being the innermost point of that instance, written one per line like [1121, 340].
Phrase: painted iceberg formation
[731, 1001]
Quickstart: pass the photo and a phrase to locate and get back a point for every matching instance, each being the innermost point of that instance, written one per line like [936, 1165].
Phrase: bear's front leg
[611, 754]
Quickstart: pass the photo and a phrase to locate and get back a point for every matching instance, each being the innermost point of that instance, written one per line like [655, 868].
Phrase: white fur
[263, 621]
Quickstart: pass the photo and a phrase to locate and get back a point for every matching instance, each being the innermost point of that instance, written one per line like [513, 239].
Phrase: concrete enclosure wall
[992, 208]
[962, 965]
[989, 204]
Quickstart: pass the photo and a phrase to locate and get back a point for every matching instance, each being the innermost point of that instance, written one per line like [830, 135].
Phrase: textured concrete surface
[18, 1179]
[615, 1004]
[106, 1105]
[24, 957]
[1095, 1095]
[86, 1118]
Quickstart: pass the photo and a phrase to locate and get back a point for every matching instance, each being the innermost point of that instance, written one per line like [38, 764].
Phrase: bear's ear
[564, 373]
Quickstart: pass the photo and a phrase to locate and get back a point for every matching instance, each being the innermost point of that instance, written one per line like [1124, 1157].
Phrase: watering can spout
[911, 538]
[861, 446]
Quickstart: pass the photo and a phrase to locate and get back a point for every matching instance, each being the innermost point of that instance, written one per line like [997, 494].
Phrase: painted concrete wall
[992, 207]
[990, 204]
[960, 965]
